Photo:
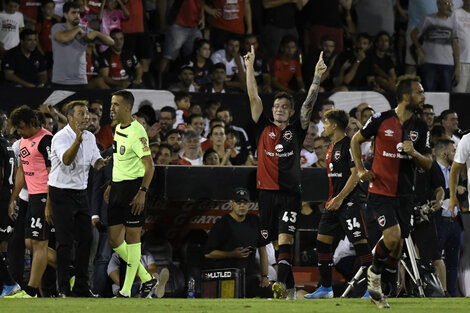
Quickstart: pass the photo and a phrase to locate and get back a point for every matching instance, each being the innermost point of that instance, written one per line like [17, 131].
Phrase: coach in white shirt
[73, 152]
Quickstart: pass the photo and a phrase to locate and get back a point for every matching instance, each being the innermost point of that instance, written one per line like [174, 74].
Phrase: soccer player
[278, 174]
[132, 173]
[7, 163]
[33, 171]
[343, 215]
[402, 140]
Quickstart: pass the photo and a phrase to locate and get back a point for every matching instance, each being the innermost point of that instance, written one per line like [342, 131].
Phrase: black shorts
[119, 210]
[278, 212]
[391, 211]
[426, 239]
[139, 44]
[6, 224]
[36, 226]
[347, 220]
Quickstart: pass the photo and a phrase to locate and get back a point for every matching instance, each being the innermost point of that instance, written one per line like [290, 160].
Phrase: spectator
[211, 157]
[24, 65]
[366, 114]
[94, 122]
[439, 52]
[374, 16]
[164, 154]
[210, 111]
[50, 123]
[84, 13]
[190, 153]
[200, 62]
[185, 20]
[154, 149]
[226, 115]
[183, 102]
[119, 68]
[383, 68]
[450, 122]
[136, 39]
[186, 81]
[93, 67]
[110, 15]
[174, 141]
[69, 43]
[12, 23]
[462, 16]
[233, 62]
[29, 9]
[228, 19]
[236, 156]
[195, 108]
[263, 79]
[307, 154]
[360, 107]
[166, 120]
[233, 241]
[43, 27]
[354, 66]
[141, 118]
[323, 107]
[280, 22]
[428, 115]
[97, 105]
[196, 123]
[219, 83]
[285, 67]
[320, 146]
[353, 127]
[217, 139]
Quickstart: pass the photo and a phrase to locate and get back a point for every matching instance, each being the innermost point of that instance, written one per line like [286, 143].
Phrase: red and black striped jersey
[339, 162]
[393, 168]
[278, 155]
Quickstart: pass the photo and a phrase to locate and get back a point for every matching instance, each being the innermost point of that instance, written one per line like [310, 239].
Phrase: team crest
[122, 150]
[337, 155]
[382, 221]
[413, 135]
[145, 146]
[288, 135]
[264, 233]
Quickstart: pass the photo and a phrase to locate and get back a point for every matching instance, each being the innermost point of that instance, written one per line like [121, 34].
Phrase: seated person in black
[233, 241]
[119, 67]
[24, 65]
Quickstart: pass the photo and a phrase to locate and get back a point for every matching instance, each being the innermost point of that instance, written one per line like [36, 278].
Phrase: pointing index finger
[252, 49]
[321, 55]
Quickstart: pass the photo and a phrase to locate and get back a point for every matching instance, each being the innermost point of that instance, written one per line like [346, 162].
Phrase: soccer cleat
[122, 294]
[20, 294]
[366, 295]
[321, 293]
[9, 290]
[381, 303]
[162, 280]
[279, 290]
[374, 285]
[291, 294]
[147, 288]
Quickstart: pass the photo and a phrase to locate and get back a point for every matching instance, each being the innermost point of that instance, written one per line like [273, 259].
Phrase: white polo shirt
[75, 175]
[462, 155]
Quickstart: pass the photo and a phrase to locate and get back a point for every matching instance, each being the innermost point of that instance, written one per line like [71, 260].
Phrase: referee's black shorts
[119, 211]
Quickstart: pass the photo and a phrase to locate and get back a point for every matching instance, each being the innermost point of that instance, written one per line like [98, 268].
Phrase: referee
[132, 173]
[73, 151]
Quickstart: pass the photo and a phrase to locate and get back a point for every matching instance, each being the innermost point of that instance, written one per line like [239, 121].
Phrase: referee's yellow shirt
[129, 147]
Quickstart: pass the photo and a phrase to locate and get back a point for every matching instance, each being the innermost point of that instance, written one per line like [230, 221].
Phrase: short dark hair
[285, 95]
[69, 107]
[214, 127]
[93, 111]
[327, 38]
[217, 66]
[170, 110]
[438, 131]
[164, 146]
[232, 38]
[442, 145]
[340, 117]
[222, 109]
[404, 85]
[211, 102]
[198, 43]
[380, 34]
[173, 131]
[45, 2]
[27, 32]
[362, 35]
[325, 102]
[142, 115]
[48, 115]
[207, 153]
[193, 116]
[180, 95]
[367, 109]
[70, 5]
[233, 132]
[287, 39]
[24, 114]
[428, 106]
[126, 95]
[213, 121]
[446, 113]
[99, 101]
[41, 117]
[115, 31]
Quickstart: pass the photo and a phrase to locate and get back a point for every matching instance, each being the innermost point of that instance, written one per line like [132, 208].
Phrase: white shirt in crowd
[231, 67]
[10, 25]
[307, 158]
[462, 155]
[75, 175]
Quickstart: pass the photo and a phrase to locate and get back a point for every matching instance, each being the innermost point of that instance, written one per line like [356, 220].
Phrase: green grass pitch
[72, 305]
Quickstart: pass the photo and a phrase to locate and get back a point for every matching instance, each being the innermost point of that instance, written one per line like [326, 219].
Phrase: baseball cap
[241, 194]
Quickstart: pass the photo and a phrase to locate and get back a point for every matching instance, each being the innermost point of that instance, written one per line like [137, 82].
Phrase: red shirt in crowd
[30, 8]
[44, 34]
[189, 14]
[135, 22]
[233, 13]
[285, 72]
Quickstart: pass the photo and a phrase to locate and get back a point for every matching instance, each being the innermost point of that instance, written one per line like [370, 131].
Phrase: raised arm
[307, 106]
[251, 86]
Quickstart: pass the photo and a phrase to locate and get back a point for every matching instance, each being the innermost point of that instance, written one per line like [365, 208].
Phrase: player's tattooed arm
[307, 106]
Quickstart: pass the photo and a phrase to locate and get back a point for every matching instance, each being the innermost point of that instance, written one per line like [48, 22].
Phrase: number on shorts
[36, 223]
[292, 219]
[353, 224]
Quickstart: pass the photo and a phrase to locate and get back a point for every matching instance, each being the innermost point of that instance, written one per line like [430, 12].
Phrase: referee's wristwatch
[144, 189]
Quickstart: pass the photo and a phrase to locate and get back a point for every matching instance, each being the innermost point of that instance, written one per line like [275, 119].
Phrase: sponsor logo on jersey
[24, 152]
[389, 133]
[279, 148]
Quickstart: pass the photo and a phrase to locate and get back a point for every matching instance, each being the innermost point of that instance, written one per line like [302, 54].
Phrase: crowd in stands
[197, 46]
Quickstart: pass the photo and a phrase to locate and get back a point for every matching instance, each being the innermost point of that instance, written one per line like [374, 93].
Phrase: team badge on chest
[413, 135]
[122, 150]
[287, 135]
[337, 155]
